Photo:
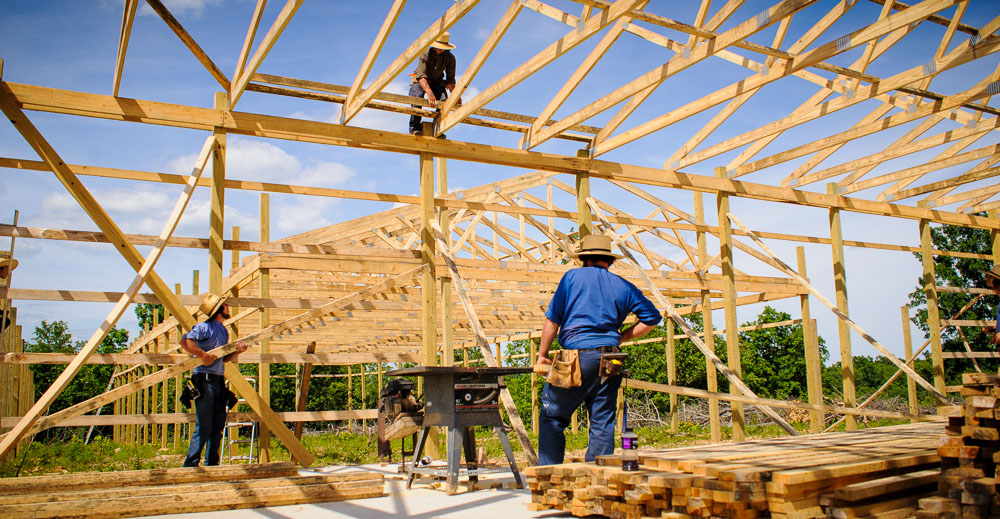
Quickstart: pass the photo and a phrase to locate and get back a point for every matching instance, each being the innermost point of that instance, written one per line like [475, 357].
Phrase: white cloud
[262, 161]
[305, 214]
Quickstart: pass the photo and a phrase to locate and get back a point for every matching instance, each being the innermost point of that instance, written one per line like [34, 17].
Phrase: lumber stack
[178, 490]
[969, 455]
[878, 473]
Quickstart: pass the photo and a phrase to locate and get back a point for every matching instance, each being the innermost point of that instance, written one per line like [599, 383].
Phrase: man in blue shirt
[210, 406]
[587, 310]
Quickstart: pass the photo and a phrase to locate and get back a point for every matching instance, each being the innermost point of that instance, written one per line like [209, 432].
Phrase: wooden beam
[729, 297]
[240, 83]
[251, 34]
[366, 65]
[94, 105]
[828, 50]
[843, 329]
[933, 317]
[676, 64]
[128, 16]
[189, 42]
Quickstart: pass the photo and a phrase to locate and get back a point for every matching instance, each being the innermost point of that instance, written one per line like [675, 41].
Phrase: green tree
[148, 314]
[774, 359]
[958, 272]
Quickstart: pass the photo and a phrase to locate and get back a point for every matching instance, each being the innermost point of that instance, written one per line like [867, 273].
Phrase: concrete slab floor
[422, 501]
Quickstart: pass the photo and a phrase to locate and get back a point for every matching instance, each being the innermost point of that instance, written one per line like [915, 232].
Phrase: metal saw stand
[443, 407]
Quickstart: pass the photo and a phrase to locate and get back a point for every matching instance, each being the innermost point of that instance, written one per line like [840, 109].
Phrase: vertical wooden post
[263, 368]
[933, 318]
[447, 313]
[814, 365]
[911, 385]
[672, 375]
[195, 289]
[302, 387]
[840, 285]
[533, 380]
[178, 387]
[995, 237]
[715, 427]
[584, 219]
[429, 277]
[350, 397]
[234, 265]
[729, 298]
[216, 224]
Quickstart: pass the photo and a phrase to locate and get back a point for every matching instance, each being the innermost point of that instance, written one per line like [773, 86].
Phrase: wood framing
[381, 287]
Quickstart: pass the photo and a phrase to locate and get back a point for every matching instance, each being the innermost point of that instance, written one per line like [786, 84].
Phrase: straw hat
[442, 42]
[8, 262]
[210, 303]
[595, 245]
[993, 273]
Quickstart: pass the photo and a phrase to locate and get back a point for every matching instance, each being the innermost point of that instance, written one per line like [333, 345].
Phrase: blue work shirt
[209, 335]
[590, 305]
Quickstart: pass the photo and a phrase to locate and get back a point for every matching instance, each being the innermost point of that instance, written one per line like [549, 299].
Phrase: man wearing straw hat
[587, 310]
[208, 379]
[6, 266]
[993, 282]
[434, 75]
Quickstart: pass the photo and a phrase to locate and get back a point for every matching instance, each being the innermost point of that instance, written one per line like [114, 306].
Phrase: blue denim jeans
[416, 91]
[559, 404]
[210, 420]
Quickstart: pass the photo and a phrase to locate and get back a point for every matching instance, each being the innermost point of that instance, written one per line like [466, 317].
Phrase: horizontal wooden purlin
[127, 359]
[406, 102]
[133, 110]
[169, 418]
[967, 323]
[970, 354]
[375, 253]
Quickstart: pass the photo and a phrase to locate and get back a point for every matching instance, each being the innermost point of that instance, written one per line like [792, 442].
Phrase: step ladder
[231, 439]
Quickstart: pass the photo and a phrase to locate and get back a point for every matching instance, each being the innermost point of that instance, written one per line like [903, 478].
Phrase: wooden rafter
[239, 84]
[189, 42]
[128, 16]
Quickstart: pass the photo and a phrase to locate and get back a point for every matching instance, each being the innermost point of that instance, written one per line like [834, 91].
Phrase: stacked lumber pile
[177, 490]
[789, 478]
[969, 455]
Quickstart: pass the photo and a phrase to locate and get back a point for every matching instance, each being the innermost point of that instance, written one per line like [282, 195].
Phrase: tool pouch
[565, 370]
[612, 364]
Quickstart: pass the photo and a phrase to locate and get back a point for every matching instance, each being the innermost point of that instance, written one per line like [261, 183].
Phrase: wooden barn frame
[443, 273]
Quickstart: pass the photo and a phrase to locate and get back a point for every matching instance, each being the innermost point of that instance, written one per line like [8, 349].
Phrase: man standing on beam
[208, 379]
[588, 309]
[434, 75]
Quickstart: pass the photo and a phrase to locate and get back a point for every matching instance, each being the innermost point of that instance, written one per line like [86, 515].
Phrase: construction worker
[6, 266]
[208, 379]
[993, 282]
[587, 310]
[433, 77]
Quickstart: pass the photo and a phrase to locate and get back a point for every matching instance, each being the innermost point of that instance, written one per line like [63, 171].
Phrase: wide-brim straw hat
[8, 262]
[993, 273]
[595, 245]
[211, 303]
[443, 42]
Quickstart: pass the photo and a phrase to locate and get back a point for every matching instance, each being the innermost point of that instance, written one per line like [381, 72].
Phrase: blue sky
[72, 45]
